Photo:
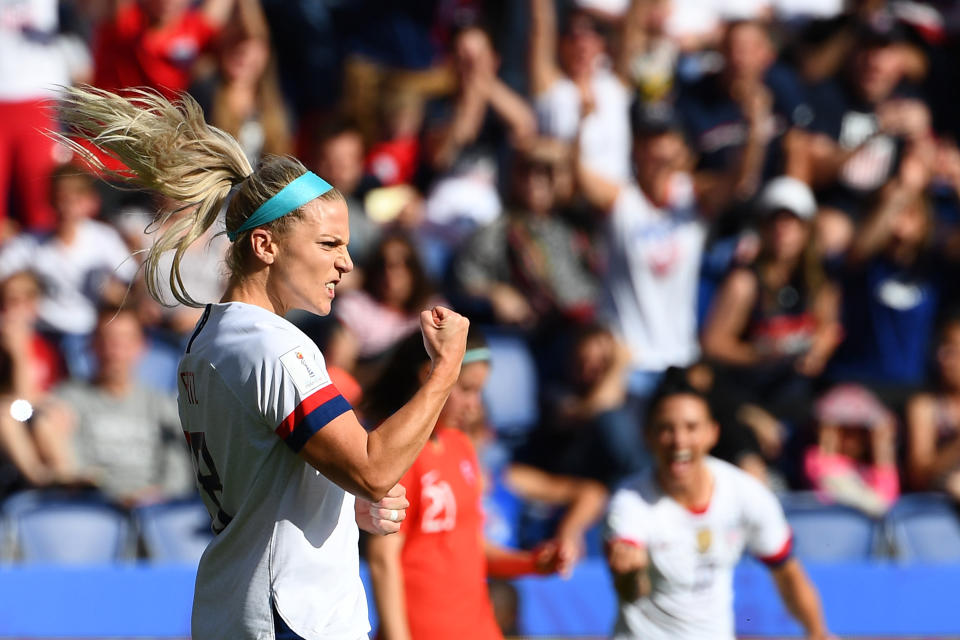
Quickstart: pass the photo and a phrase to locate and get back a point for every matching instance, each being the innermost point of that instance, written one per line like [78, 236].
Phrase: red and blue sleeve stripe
[778, 558]
[312, 414]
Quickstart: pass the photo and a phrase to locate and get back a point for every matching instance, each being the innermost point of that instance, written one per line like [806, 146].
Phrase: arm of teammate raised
[801, 598]
[386, 574]
[369, 464]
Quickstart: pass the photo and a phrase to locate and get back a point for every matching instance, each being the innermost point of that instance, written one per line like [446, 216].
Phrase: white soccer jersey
[650, 294]
[693, 555]
[252, 390]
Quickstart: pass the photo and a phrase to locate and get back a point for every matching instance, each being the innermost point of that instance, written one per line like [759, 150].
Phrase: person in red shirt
[154, 43]
[430, 579]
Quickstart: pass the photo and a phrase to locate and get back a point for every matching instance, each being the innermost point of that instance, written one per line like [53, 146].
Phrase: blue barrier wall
[860, 600]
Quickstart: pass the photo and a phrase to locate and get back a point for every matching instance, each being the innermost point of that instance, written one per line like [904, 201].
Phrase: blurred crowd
[763, 193]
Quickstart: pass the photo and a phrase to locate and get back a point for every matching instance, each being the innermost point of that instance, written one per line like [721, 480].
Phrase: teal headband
[481, 354]
[294, 195]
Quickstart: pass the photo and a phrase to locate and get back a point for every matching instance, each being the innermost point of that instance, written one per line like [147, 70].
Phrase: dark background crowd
[764, 194]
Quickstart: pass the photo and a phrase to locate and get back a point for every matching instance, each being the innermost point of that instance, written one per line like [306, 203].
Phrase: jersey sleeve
[297, 396]
[768, 535]
[627, 518]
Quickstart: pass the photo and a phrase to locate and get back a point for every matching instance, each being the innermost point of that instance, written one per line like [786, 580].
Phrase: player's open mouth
[330, 289]
[680, 461]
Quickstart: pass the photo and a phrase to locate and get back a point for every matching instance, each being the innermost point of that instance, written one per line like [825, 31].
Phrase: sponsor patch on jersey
[304, 369]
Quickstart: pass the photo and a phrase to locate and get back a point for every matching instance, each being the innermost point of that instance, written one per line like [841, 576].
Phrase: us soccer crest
[704, 540]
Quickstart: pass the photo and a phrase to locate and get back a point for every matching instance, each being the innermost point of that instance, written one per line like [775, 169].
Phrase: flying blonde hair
[169, 148]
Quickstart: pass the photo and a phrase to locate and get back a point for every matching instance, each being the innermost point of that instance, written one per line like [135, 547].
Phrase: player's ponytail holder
[291, 197]
[480, 354]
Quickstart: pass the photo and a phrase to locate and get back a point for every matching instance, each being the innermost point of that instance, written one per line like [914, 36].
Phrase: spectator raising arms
[657, 229]
[581, 95]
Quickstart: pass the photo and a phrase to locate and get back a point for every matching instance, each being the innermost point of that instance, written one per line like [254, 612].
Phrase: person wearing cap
[285, 468]
[774, 323]
[854, 461]
[429, 580]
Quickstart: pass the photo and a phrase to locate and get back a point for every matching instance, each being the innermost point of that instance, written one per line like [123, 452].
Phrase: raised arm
[218, 12]
[370, 464]
[516, 113]
[632, 37]
[801, 598]
[543, 46]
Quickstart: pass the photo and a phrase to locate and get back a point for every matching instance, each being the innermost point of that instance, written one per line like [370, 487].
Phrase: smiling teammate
[677, 531]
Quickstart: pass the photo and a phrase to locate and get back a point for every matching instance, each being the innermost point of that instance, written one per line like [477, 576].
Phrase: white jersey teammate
[676, 532]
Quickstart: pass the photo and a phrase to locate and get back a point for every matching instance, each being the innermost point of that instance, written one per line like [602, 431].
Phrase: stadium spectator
[745, 109]
[373, 319]
[893, 279]
[35, 59]
[677, 531]
[154, 43]
[860, 121]
[657, 228]
[854, 459]
[430, 579]
[587, 429]
[111, 432]
[29, 367]
[529, 268]
[775, 323]
[933, 422]
[83, 263]
[576, 93]
[243, 96]
[467, 138]
[254, 392]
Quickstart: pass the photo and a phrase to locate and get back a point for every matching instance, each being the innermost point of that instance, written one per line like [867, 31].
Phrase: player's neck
[692, 492]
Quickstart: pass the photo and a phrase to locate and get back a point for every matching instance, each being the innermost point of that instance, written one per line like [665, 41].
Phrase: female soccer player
[279, 453]
[678, 530]
[430, 579]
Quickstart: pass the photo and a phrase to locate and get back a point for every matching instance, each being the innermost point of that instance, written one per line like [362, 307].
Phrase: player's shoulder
[638, 490]
[736, 482]
[264, 335]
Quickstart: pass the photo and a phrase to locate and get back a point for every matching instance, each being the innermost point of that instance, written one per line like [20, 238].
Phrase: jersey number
[440, 513]
[207, 477]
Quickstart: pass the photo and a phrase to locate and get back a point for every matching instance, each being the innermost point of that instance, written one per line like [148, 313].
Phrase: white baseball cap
[788, 193]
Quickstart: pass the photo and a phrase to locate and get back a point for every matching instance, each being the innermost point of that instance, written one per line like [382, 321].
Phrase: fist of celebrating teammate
[444, 335]
[383, 517]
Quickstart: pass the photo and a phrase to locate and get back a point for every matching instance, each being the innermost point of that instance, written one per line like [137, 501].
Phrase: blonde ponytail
[169, 148]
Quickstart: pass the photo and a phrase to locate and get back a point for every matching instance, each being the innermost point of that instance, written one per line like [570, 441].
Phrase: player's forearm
[387, 577]
[395, 444]
[801, 598]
